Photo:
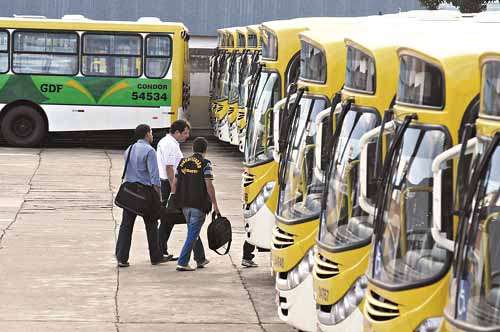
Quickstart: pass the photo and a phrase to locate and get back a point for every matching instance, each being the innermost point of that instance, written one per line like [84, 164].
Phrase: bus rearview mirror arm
[437, 172]
[363, 167]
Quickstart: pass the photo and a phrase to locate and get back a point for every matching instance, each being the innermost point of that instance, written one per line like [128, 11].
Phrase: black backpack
[219, 233]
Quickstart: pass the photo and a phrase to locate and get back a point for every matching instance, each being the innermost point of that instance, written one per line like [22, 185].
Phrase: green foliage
[431, 4]
[465, 6]
[470, 6]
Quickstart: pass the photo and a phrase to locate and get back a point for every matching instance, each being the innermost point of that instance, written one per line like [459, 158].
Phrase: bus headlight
[302, 270]
[347, 305]
[259, 201]
[429, 325]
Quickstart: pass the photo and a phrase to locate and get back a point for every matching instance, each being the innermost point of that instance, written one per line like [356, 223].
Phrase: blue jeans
[195, 219]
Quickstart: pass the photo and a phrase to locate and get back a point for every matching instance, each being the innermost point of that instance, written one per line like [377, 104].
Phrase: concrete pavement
[58, 229]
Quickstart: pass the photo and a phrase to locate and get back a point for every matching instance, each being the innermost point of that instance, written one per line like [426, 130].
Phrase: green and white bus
[76, 74]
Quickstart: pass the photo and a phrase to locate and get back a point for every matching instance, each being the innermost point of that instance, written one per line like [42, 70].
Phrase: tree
[465, 6]
[431, 4]
[470, 6]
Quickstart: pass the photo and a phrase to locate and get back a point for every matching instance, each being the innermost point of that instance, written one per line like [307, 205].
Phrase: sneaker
[162, 260]
[123, 264]
[185, 268]
[201, 265]
[248, 263]
[170, 257]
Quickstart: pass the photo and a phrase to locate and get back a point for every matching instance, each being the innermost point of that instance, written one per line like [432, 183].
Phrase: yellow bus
[277, 70]
[473, 303]
[229, 93]
[75, 74]
[323, 60]
[438, 89]
[220, 77]
[248, 70]
[235, 84]
[215, 63]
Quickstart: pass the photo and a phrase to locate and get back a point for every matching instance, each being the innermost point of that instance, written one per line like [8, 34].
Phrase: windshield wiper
[284, 119]
[385, 179]
[291, 120]
[469, 233]
[254, 82]
[332, 147]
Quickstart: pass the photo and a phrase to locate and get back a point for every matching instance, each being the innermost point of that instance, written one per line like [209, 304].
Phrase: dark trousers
[125, 237]
[166, 225]
[248, 251]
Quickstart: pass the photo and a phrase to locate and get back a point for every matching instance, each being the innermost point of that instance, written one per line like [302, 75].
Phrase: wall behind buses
[203, 18]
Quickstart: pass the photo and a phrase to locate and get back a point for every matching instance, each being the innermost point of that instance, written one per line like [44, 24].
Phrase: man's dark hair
[179, 125]
[200, 145]
[141, 131]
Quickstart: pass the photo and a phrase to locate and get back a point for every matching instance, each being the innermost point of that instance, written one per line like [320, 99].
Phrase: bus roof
[77, 22]
[466, 39]
[400, 31]
[319, 38]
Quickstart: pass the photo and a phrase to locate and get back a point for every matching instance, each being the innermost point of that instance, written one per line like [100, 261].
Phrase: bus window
[45, 53]
[111, 55]
[4, 51]
[158, 56]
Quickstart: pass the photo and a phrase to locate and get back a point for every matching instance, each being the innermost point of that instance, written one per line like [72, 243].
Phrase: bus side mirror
[368, 146]
[323, 120]
[438, 234]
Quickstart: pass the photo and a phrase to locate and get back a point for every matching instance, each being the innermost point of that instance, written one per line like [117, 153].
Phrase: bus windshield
[259, 140]
[343, 223]
[405, 253]
[235, 79]
[301, 192]
[475, 293]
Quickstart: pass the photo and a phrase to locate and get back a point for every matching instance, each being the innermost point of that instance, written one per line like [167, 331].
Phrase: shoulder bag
[138, 198]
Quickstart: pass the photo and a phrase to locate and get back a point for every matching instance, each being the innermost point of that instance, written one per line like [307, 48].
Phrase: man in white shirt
[169, 155]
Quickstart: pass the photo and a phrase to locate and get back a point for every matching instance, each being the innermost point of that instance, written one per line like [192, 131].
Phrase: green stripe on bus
[70, 90]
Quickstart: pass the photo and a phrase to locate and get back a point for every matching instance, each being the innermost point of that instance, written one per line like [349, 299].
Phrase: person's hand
[216, 209]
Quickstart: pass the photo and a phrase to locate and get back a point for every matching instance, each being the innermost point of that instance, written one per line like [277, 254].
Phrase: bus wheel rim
[23, 126]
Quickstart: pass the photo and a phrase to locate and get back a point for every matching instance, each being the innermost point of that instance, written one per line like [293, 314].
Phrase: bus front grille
[325, 268]
[380, 309]
[282, 239]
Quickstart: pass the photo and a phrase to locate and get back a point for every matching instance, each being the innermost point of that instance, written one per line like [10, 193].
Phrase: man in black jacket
[195, 194]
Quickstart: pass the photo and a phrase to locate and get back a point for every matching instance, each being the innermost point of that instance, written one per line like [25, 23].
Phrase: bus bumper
[241, 145]
[354, 322]
[223, 131]
[259, 228]
[233, 134]
[297, 307]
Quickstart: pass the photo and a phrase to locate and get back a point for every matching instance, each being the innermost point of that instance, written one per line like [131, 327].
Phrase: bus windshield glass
[405, 253]
[259, 141]
[343, 223]
[300, 196]
[478, 282]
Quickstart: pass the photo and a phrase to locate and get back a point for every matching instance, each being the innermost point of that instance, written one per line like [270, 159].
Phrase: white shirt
[169, 154]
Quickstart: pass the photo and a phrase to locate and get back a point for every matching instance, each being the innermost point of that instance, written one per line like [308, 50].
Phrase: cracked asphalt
[58, 230]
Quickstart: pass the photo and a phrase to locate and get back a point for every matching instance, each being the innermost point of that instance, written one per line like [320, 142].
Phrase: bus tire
[24, 126]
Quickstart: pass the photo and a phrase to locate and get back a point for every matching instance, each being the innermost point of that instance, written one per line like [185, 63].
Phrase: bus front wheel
[24, 126]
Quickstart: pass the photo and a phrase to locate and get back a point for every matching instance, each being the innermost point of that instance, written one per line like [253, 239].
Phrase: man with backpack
[195, 194]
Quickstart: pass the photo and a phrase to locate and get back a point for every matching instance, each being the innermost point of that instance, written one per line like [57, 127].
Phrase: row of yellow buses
[232, 68]
[370, 155]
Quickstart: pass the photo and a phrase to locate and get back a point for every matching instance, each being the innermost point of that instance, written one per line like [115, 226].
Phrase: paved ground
[57, 270]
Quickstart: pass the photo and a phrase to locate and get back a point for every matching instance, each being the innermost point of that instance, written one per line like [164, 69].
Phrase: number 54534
[149, 96]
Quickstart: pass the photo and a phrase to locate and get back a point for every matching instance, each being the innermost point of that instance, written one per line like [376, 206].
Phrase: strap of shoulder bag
[126, 162]
[227, 249]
